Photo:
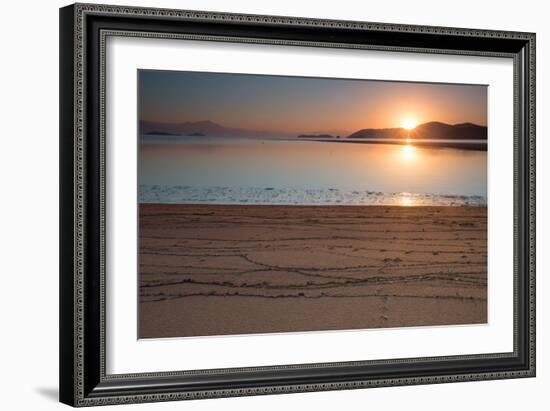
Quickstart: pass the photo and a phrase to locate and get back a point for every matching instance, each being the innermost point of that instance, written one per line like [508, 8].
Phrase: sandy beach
[230, 269]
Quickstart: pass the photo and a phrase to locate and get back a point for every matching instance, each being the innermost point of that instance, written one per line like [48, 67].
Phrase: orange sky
[291, 105]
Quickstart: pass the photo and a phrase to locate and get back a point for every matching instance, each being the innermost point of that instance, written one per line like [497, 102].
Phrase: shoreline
[141, 203]
[298, 197]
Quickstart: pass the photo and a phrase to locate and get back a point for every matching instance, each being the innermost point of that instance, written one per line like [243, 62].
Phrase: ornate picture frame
[84, 30]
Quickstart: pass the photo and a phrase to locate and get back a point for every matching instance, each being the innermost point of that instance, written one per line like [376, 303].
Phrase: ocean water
[225, 170]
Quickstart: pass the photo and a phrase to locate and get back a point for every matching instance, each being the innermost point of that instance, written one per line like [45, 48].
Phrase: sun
[408, 124]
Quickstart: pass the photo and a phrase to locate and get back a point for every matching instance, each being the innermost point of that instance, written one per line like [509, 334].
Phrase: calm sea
[225, 170]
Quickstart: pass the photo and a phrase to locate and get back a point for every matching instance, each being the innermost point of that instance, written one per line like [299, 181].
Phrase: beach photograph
[277, 204]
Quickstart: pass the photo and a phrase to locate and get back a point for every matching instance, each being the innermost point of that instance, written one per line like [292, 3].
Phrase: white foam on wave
[169, 194]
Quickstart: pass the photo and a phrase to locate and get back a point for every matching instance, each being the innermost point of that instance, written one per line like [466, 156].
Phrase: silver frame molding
[84, 32]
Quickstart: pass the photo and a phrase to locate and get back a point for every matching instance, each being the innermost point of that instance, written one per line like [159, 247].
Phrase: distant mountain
[330, 131]
[197, 128]
[379, 133]
[429, 131]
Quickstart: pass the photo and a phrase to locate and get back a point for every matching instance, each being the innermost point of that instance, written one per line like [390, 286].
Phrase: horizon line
[274, 132]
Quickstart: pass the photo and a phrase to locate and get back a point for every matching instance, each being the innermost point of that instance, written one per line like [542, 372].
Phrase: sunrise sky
[292, 105]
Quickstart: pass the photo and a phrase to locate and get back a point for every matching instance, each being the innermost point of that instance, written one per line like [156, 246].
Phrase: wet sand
[229, 269]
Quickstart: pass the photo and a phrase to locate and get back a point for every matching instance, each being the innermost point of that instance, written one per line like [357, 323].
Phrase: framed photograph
[261, 204]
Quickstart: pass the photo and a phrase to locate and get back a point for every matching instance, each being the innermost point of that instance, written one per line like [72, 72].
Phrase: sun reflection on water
[408, 151]
[406, 200]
